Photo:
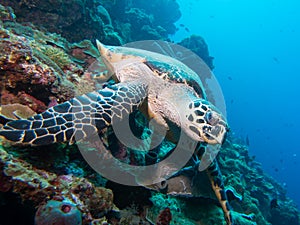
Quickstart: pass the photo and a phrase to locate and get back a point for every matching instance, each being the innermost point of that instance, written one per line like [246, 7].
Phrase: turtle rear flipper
[217, 184]
[78, 118]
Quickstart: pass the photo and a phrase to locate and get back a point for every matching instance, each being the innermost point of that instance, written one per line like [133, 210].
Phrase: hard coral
[37, 68]
[57, 55]
[14, 112]
[27, 74]
[142, 20]
[198, 46]
[73, 19]
[7, 14]
[24, 99]
[162, 17]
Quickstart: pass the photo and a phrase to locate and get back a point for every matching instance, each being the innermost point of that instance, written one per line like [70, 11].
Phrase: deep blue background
[256, 45]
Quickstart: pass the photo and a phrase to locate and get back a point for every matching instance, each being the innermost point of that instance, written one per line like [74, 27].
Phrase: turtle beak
[108, 53]
[215, 135]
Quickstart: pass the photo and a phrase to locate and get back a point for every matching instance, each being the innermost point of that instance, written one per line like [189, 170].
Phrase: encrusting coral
[15, 111]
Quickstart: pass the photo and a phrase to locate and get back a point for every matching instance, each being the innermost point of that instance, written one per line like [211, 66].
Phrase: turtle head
[109, 54]
[206, 123]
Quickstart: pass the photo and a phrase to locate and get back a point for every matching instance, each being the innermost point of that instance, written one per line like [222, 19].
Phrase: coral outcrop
[74, 19]
[197, 44]
[144, 20]
[112, 22]
[257, 191]
[40, 70]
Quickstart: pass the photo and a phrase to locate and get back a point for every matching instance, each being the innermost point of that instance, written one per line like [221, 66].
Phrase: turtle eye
[210, 118]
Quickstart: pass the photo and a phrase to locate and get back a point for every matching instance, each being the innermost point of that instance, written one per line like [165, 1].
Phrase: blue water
[256, 45]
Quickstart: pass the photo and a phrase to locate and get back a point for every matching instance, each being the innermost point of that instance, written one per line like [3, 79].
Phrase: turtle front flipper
[78, 118]
[217, 184]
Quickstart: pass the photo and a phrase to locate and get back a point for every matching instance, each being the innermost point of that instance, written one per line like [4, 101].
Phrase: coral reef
[112, 22]
[26, 73]
[144, 20]
[197, 45]
[74, 19]
[67, 191]
[40, 69]
[257, 192]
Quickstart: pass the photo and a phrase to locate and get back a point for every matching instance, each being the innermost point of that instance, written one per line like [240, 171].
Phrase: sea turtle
[161, 87]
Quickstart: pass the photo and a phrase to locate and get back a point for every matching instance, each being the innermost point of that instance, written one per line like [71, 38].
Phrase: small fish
[187, 29]
[275, 59]
[247, 141]
[274, 203]
[181, 25]
[229, 78]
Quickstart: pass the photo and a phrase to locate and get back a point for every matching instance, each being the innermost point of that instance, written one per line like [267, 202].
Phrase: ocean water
[256, 46]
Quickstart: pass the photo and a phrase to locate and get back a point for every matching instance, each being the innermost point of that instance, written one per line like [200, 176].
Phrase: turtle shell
[177, 64]
[165, 66]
